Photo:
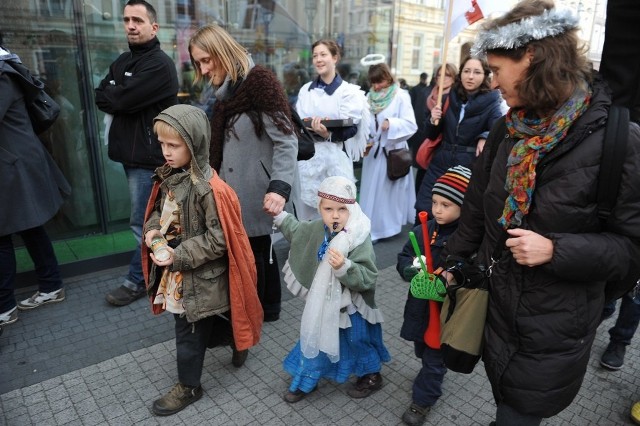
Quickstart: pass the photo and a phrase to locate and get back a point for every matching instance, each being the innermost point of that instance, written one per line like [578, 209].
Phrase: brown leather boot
[366, 385]
[178, 398]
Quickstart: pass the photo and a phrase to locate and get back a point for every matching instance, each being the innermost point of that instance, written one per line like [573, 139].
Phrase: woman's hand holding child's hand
[335, 258]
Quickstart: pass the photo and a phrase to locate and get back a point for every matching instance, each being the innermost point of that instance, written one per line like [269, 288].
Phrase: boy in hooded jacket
[206, 273]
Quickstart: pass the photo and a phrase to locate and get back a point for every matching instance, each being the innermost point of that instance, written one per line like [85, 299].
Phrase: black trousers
[620, 64]
[269, 290]
[38, 244]
[191, 346]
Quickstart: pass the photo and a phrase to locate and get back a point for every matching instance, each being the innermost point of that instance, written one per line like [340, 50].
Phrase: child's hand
[448, 279]
[409, 272]
[273, 203]
[150, 235]
[336, 259]
[167, 262]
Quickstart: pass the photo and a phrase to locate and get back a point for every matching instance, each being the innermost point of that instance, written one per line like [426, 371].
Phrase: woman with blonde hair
[253, 144]
[450, 77]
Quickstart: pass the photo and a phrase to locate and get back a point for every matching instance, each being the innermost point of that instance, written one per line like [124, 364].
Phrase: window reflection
[71, 45]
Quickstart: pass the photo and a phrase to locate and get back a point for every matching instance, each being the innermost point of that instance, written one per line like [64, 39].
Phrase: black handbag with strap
[306, 142]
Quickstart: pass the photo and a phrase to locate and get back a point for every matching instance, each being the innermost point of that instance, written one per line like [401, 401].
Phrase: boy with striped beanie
[447, 197]
[452, 185]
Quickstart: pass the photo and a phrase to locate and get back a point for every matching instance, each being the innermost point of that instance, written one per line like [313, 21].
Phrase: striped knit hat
[453, 184]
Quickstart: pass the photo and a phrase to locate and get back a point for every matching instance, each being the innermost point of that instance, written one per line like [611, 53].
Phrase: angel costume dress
[333, 157]
[341, 332]
[389, 204]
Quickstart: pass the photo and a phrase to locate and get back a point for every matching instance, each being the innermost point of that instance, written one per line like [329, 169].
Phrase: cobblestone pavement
[83, 362]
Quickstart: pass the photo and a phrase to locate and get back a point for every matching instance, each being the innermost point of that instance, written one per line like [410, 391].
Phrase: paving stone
[101, 365]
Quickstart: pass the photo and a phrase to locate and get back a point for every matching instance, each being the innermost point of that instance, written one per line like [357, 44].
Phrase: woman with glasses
[472, 109]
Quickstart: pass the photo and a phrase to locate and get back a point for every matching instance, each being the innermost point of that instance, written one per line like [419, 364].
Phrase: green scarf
[536, 137]
[380, 100]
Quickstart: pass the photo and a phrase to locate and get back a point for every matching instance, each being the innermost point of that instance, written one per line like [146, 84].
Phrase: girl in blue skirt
[332, 267]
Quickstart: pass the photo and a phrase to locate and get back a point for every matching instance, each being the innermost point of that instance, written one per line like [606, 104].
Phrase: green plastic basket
[426, 286]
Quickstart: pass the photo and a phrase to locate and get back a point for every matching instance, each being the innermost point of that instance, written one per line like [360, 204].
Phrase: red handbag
[428, 146]
[426, 151]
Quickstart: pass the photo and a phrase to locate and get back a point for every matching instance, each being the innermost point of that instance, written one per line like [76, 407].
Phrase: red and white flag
[466, 12]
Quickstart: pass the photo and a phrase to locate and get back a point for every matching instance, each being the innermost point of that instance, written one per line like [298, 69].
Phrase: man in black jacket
[139, 85]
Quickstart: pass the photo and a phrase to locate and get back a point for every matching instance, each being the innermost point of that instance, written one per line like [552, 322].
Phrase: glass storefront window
[71, 43]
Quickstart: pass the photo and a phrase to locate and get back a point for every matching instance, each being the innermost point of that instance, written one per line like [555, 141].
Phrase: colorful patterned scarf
[380, 100]
[536, 137]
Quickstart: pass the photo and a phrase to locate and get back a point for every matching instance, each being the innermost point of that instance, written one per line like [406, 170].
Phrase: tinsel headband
[517, 34]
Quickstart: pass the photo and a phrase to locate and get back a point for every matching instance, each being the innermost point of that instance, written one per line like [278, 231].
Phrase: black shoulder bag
[43, 110]
[306, 142]
[615, 149]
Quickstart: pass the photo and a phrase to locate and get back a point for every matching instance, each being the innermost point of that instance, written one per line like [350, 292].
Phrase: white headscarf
[319, 330]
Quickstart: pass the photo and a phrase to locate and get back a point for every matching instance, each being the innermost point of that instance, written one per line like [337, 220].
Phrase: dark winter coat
[416, 311]
[460, 138]
[139, 85]
[419, 94]
[32, 186]
[542, 320]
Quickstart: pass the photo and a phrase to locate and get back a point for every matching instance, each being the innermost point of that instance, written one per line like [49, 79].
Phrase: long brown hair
[485, 86]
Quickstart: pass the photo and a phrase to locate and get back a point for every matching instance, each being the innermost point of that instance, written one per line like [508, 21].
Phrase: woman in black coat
[473, 108]
[31, 192]
[546, 291]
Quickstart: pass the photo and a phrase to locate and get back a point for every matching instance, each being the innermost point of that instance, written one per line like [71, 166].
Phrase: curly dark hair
[260, 93]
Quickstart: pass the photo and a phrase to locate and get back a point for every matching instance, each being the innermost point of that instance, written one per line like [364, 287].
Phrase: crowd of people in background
[522, 126]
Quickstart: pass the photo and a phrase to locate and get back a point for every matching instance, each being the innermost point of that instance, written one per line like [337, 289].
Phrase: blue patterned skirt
[361, 352]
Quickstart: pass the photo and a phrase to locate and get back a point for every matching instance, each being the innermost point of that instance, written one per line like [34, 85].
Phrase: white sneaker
[9, 317]
[41, 299]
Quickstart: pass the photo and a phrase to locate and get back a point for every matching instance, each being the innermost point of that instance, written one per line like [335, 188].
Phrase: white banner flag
[466, 12]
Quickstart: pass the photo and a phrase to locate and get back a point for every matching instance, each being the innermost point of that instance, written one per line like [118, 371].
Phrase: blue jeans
[140, 185]
[427, 386]
[627, 321]
[44, 258]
